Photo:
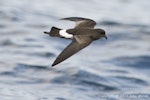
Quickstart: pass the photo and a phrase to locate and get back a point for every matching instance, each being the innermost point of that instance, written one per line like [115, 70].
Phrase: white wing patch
[64, 34]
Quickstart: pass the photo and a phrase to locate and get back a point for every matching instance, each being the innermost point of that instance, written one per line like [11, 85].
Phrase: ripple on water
[111, 23]
[22, 67]
[23, 74]
[85, 79]
[8, 73]
[141, 62]
[60, 98]
[43, 54]
[2, 26]
[7, 42]
[132, 80]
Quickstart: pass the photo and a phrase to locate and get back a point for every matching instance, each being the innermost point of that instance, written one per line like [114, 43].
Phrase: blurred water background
[116, 69]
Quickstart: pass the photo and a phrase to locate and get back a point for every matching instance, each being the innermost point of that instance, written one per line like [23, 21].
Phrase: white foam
[64, 34]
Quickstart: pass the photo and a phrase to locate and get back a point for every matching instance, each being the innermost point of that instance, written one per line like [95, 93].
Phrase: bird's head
[102, 33]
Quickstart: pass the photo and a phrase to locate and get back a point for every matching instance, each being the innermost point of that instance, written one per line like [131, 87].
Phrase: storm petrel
[81, 35]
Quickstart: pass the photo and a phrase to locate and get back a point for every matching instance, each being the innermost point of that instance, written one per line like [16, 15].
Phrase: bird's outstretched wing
[75, 46]
[81, 22]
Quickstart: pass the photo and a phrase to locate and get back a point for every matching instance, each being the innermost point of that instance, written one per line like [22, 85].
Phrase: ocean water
[113, 69]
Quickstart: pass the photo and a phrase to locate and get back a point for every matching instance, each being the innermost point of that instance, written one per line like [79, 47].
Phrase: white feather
[64, 34]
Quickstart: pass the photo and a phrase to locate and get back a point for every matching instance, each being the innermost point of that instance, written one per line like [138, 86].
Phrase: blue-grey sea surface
[113, 69]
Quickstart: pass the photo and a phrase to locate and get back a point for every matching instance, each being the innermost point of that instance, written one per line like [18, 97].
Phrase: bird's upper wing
[81, 22]
[76, 45]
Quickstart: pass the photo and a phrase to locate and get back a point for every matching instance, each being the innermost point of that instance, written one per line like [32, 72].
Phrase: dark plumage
[82, 35]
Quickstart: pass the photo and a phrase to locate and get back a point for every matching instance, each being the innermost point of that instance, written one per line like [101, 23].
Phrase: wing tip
[53, 65]
[75, 18]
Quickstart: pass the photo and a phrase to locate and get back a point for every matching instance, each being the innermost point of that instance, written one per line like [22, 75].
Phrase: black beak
[105, 37]
[46, 32]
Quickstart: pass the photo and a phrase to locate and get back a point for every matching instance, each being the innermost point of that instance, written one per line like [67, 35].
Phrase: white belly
[64, 34]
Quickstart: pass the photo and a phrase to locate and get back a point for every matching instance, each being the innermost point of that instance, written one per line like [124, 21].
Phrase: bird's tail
[54, 32]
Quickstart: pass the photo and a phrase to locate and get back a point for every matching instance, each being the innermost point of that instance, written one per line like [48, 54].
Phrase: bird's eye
[103, 33]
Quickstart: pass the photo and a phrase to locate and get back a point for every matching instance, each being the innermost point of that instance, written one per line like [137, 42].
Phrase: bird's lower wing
[71, 49]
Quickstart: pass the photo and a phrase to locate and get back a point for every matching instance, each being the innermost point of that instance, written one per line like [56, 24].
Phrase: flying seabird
[81, 35]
